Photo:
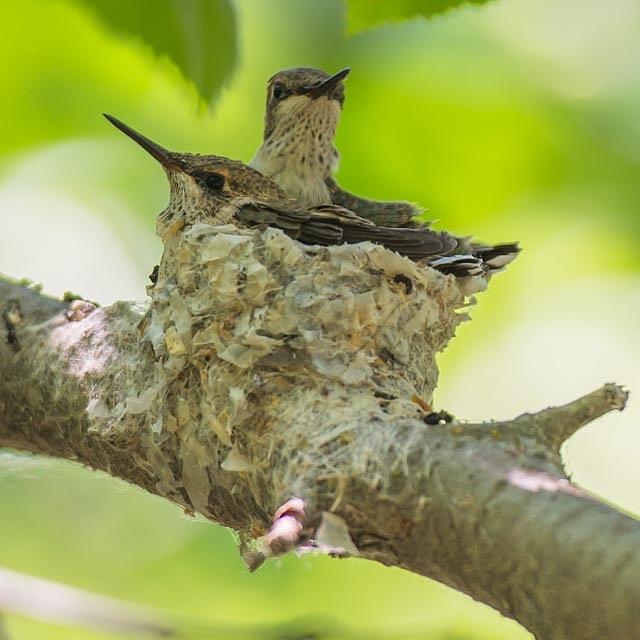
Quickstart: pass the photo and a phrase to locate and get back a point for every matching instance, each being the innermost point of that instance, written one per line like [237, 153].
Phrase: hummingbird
[218, 190]
[301, 117]
[298, 151]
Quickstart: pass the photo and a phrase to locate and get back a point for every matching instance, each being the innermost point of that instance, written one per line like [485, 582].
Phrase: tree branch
[261, 370]
[557, 424]
[53, 602]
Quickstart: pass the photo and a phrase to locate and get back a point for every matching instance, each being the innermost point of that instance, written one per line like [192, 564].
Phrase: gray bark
[261, 370]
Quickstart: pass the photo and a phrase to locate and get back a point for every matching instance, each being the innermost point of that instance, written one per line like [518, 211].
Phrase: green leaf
[364, 14]
[199, 36]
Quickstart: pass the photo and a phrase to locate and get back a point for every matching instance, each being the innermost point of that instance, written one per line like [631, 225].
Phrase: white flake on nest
[183, 412]
[207, 336]
[280, 248]
[96, 408]
[334, 533]
[142, 402]
[238, 400]
[332, 366]
[241, 356]
[261, 345]
[235, 461]
[195, 477]
[174, 343]
[154, 332]
[220, 246]
[219, 423]
[181, 318]
[224, 281]
[393, 263]
[259, 282]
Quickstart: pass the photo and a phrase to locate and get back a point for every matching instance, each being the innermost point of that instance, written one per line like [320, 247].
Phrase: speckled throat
[299, 154]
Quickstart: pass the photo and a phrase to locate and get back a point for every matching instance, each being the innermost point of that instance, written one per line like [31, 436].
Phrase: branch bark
[261, 370]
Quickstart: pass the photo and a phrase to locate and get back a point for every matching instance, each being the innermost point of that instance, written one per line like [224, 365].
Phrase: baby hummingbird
[301, 116]
[218, 190]
[298, 152]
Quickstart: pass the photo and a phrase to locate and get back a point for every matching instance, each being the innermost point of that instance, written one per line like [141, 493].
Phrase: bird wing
[331, 224]
[295, 220]
[417, 244]
[389, 214]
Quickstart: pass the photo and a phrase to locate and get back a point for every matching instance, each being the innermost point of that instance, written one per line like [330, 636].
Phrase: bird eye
[280, 91]
[214, 181]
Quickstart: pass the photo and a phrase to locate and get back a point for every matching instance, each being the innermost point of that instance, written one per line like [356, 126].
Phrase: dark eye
[280, 91]
[214, 181]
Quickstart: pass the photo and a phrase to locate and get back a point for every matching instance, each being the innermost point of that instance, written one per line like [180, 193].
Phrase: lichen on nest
[259, 300]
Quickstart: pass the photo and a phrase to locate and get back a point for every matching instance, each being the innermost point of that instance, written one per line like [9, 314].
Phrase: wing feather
[332, 224]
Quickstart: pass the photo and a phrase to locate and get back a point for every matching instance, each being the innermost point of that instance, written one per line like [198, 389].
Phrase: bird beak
[167, 159]
[325, 88]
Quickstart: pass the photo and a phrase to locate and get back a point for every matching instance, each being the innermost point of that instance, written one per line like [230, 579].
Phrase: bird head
[202, 186]
[300, 92]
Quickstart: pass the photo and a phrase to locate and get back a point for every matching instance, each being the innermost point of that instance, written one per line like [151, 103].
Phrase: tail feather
[497, 257]
[474, 270]
[458, 265]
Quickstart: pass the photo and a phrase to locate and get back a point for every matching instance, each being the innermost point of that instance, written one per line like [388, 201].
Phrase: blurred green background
[514, 120]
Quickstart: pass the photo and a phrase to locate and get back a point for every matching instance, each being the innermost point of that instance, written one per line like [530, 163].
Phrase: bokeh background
[513, 120]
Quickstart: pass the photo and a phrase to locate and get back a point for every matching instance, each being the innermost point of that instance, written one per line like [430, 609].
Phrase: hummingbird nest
[241, 322]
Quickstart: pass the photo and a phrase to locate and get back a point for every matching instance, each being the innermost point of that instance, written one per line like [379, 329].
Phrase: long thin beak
[167, 159]
[324, 88]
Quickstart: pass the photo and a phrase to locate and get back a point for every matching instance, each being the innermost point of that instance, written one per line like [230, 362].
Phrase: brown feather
[330, 224]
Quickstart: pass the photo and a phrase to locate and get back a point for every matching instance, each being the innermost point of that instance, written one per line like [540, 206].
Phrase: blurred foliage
[199, 36]
[516, 120]
[364, 14]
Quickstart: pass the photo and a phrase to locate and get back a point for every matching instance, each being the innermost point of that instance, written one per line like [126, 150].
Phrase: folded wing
[332, 224]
